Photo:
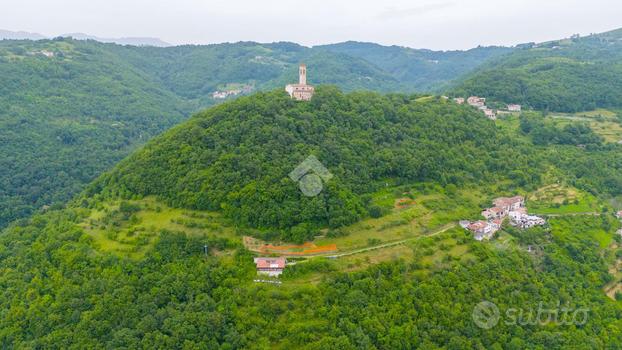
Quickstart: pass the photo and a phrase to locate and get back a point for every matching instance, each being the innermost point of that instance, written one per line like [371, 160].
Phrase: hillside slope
[237, 156]
[196, 71]
[70, 115]
[569, 75]
[420, 70]
[64, 119]
[184, 280]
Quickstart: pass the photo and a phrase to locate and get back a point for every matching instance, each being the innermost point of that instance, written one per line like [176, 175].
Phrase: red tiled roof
[270, 263]
[478, 225]
[505, 201]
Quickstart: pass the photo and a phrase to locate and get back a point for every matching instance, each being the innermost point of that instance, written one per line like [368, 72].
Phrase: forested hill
[67, 116]
[419, 69]
[123, 267]
[69, 109]
[569, 75]
[238, 156]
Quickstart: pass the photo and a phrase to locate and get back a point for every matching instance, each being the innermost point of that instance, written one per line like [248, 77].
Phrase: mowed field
[561, 199]
[604, 122]
[133, 231]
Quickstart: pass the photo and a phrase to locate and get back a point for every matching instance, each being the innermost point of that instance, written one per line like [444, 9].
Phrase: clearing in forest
[305, 249]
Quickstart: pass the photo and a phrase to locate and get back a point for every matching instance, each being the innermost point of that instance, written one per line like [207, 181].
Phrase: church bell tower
[302, 72]
[301, 91]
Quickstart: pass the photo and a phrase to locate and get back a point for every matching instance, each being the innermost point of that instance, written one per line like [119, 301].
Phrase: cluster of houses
[504, 207]
[46, 53]
[233, 92]
[480, 103]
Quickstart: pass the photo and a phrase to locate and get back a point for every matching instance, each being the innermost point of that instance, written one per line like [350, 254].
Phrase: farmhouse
[244, 89]
[490, 114]
[476, 101]
[494, 213]
[523, 220]
[482, 229]
[301, 91]
[510, 203]
[459, 100]
[514, 108]
[270, 266]
[219, 94]
[503, 205]
[47, 53]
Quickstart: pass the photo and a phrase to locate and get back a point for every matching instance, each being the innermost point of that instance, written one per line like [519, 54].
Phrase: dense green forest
[65, 119]
[62, 290]
[569, 75]
[237, 156]
[421, 70]
[70, 109]
[58, 294]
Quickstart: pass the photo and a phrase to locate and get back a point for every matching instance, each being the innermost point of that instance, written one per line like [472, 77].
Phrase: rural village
[513, 207]
[480, 103]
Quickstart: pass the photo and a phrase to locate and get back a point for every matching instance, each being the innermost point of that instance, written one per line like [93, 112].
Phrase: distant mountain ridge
[420, 69]
[135, 41]
[20, 35]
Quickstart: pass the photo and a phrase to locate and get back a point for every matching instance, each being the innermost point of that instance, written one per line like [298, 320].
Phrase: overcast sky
[434, 24]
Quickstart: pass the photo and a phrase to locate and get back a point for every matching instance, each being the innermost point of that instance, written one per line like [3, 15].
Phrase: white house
[482, 229]
[514, 108]
[270, 266]
[523, 220]
[476, 101]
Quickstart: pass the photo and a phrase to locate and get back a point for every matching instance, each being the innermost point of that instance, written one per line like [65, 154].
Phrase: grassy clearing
[130, 228]
[604, 122]
[561, 199]
[363, 260]
[583, 226]
[429, 253]
[597, 113]
[426, 212]
[425, 99]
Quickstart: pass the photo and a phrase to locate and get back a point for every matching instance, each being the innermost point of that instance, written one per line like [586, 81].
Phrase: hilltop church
[301, 91]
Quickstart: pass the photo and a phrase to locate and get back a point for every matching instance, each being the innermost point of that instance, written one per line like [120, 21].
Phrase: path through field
[394, 243]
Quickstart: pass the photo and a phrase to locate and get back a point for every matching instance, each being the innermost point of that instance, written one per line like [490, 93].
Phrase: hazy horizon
[437, 25]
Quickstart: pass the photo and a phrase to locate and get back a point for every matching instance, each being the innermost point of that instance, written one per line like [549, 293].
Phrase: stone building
[301, 91]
